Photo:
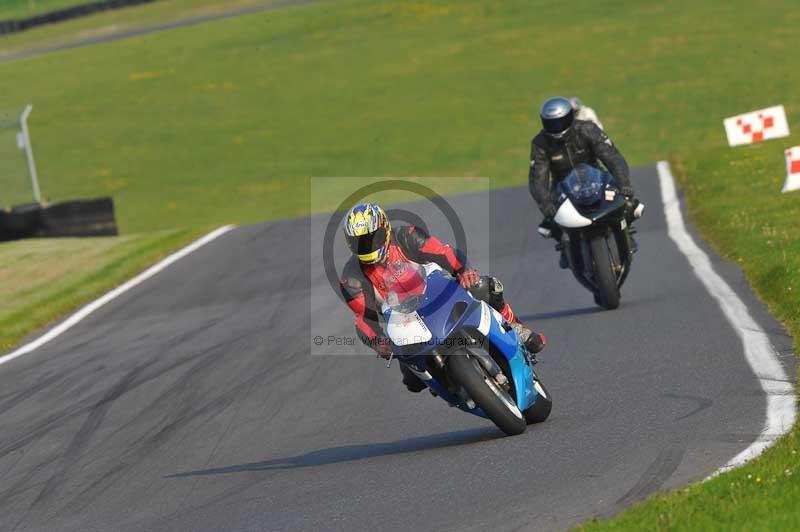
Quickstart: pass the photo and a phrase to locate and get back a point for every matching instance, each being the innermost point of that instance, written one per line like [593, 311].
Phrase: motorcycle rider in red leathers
[376, 246]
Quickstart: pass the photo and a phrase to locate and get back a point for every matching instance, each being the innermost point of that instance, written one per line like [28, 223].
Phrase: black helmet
[557, 116]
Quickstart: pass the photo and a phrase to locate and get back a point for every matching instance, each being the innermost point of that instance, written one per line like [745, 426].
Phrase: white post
[29, 153]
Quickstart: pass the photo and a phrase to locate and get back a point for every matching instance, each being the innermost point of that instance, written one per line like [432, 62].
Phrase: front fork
[486, 362]
[576, 246]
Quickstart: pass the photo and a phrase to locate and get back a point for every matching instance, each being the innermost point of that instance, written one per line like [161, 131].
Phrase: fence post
[29, 153]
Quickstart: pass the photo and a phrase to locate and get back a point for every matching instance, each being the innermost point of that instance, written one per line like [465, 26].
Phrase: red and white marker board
[757, 126]
[792, 169]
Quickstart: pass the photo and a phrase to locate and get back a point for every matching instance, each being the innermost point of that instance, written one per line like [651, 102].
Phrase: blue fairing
[442, 296]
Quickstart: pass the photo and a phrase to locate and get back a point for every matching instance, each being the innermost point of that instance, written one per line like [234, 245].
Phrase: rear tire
[608, 291]
[469, 373]
[540, 410]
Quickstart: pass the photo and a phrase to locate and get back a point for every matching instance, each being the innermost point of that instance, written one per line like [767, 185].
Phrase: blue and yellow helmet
[367, 231]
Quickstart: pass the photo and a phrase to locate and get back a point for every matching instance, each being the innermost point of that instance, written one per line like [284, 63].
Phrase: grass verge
[41, 280]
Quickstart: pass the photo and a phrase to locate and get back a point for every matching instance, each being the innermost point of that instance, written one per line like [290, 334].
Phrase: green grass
[42, 279]
[735, 201]
[226, 122]
[229, 124]
[20, 9]
[109, 22]
[759, 496]
[15, 184]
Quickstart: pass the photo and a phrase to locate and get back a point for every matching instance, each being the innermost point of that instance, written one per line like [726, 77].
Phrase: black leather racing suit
[585, 143]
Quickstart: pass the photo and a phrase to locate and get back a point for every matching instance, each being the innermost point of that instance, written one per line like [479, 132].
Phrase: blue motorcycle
[462, 349]
[594, 219]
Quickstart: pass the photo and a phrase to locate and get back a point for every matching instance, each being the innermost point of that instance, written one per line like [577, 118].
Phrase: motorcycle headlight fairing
[569, 217]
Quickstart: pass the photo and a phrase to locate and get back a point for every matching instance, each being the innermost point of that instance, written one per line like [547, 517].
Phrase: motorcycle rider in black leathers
[561, 145]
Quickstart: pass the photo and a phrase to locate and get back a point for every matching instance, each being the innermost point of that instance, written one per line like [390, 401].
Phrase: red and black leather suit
[359, 282]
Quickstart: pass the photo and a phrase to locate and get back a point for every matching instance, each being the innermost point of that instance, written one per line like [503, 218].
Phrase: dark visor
[556, 126]
[362, 245]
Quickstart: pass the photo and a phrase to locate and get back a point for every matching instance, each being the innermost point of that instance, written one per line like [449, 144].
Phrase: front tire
[488, 396]
[540, 409]
[608, 291]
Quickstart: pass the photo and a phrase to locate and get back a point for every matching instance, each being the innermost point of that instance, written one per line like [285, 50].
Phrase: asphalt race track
[193, 402]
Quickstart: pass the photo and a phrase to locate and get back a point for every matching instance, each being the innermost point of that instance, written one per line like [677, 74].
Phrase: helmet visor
[557, 126]
[368, 247]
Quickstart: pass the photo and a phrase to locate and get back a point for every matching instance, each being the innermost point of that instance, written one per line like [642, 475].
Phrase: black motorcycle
[593, 218]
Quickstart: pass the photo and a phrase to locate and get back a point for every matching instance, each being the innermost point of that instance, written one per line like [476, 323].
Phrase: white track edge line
[759, 352]
[85, 311]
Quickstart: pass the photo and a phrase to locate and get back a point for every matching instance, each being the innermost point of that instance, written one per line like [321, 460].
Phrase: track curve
[193, 403]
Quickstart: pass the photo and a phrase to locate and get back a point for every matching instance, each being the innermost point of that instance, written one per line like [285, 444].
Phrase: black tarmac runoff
[199, 401]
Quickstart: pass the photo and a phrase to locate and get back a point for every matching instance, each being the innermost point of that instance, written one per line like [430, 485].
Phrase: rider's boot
[634, 243]
[563, 263]
[549, 229]
[410, 379]
[534, 342]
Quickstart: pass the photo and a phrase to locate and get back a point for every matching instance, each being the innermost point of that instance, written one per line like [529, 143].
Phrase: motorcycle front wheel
[539, 410]
[607, 289]
[495, 402]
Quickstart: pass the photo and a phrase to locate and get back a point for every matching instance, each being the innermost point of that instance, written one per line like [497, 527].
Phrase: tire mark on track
[78, 443]
[55, 420]
[49, 383]
[154, 435]
[191, 408]
[653, 478]
[702, 403]
[20, 487]
[30, 391]
[85, 433]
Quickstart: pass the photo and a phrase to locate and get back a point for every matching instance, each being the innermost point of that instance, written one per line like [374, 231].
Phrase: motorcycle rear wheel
[608, 291]
[487, 395]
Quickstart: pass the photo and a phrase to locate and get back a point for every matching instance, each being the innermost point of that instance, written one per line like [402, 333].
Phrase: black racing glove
[627, 191]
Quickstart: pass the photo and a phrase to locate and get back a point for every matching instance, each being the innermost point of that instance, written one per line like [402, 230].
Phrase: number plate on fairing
[407, 329]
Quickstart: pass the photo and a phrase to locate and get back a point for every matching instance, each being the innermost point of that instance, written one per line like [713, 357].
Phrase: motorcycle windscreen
[403, 286]
[584, 185]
